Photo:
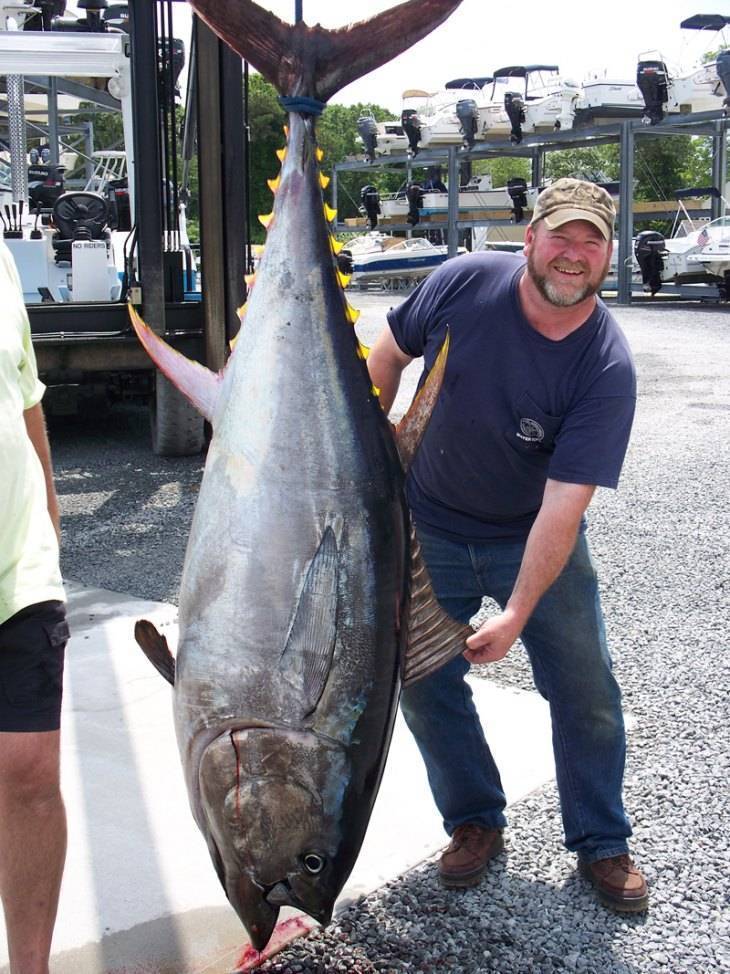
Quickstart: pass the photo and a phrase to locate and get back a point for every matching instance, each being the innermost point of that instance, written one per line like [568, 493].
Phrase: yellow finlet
[250, 280]
[344, 279]
[232, 343]
[265, 219]
[242, 310]
[274, 184]
[324, 181]
[336, 245]
[281, 154]
[330, 215]
[363, 351]
[352, 313]
[320, 154]
[286, 131]
[376, 391]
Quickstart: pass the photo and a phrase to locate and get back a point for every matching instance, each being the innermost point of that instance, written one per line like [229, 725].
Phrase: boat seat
[78, 216]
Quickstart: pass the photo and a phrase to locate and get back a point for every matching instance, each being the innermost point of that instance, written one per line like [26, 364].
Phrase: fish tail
[312, 62]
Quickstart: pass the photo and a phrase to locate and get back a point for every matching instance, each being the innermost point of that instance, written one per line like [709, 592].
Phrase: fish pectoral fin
[409, 432]
[432, 636]
[307, 656]
[155, 648]
[195, 382]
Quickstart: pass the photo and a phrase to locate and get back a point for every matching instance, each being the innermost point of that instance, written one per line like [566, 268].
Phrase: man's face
[569, 264]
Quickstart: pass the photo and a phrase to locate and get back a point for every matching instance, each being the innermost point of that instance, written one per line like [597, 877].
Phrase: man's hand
[493, 640]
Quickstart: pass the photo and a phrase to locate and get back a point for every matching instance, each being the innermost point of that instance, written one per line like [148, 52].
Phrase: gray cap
[575, 199]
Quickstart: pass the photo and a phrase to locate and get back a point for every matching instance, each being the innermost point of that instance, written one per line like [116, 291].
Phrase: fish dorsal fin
[155, 648]
[409, 432]
[313, 61]
[307, 656]
[432, 636]
[195, 382]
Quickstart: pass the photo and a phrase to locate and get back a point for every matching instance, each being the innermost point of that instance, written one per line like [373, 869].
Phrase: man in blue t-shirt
[535, 411]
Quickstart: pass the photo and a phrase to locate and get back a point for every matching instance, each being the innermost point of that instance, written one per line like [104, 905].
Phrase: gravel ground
[661, 543]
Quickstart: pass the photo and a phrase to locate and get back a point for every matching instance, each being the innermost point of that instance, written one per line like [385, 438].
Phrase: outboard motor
[652, 81]
[367, 129]
[723, 73]
[345, 262]
[45, 184]
[648, 250]
[371, 204]
[46, 11]
[515, 108]
[414, 195]
[412, 127]
[467, 112]
[517, 189]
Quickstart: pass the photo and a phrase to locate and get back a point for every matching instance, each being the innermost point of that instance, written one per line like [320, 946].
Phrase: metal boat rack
[713, 124]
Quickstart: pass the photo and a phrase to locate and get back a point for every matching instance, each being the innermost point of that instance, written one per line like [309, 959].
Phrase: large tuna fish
[303, 602]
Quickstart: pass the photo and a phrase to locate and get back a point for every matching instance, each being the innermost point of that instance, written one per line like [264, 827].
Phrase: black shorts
[32, 644]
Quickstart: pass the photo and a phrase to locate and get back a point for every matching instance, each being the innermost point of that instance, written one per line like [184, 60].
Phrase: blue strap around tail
[302, 104]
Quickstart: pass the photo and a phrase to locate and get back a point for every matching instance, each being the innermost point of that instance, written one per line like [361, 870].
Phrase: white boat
[378, 258]
[697, 252]
[479, 194]
[525, 99]
[705, 88]
[395, 136]
[452, 117]
[606, 99]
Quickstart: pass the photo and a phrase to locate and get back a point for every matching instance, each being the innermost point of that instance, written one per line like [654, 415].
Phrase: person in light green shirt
[33, 634]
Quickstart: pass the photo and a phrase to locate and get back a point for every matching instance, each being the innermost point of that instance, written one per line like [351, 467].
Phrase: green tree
[598, 163]
[266, 121]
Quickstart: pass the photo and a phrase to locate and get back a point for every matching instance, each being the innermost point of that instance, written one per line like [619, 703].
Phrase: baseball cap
[575, 199]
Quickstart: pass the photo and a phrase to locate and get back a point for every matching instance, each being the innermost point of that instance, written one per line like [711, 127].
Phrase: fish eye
[314, 863]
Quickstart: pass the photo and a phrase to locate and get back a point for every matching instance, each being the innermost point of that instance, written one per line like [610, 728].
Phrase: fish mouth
[281, 894]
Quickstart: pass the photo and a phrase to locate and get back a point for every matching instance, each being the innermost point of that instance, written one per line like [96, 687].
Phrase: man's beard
[558, 297]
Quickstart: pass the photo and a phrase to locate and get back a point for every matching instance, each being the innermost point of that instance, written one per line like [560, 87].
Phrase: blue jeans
[566, 643]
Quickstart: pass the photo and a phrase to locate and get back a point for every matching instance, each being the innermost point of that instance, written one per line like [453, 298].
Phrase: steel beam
[234, 187]
[211, 188]
[719, 166]
[453, 215]
[148, 202]
[626, 215]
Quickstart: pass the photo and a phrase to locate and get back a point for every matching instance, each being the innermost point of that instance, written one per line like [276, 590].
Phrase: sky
[585, 39]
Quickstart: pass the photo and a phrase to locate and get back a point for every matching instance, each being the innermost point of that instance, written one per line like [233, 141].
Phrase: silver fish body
[303, 599]
[294, 581]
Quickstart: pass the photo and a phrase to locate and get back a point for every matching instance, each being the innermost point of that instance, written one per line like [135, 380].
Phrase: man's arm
[386, 363]
[547, 551]
[36, 428]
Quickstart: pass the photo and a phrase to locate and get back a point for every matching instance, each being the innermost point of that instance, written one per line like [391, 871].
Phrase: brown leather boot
[618, 882]
[465, 860]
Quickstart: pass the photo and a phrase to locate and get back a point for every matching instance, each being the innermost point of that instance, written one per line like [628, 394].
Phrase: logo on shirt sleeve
[531, 431]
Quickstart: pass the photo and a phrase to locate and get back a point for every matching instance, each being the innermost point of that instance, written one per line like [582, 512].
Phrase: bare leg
[32, 845]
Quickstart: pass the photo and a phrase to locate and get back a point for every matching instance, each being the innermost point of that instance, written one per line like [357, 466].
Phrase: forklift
[85, 252]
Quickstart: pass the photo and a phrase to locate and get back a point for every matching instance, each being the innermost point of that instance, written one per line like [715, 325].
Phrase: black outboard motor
[371, 204]
[723, 73]
[45, 184]
[648, 250]
[515, 108]
[43, 19]
[517, 189]
[367, 129]
[652, 81]
[467, 112]
[414, 195]
[171, 61]
[412, 127]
